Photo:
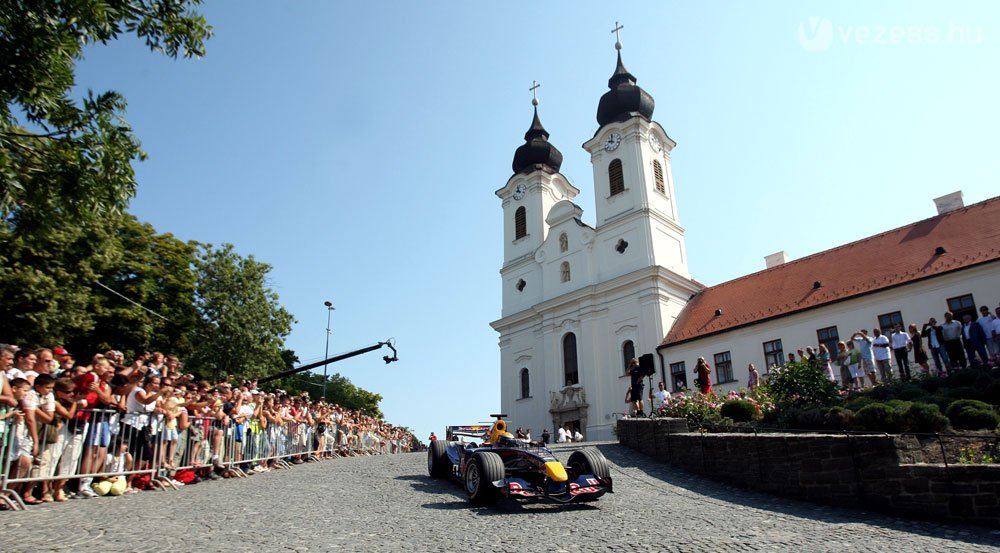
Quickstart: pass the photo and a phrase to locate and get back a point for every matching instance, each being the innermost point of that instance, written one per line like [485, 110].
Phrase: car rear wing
[477, 431]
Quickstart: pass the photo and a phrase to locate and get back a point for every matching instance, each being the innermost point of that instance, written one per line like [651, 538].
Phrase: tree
[57, 155]
[241, 326]
[146, 300]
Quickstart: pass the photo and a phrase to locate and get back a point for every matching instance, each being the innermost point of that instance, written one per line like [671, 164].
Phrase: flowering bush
[697, 407]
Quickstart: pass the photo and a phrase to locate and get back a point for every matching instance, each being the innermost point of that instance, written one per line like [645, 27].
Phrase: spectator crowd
[866, 359]
[106, 427]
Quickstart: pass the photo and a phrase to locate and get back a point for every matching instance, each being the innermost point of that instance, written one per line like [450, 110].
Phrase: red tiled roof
[970, 236]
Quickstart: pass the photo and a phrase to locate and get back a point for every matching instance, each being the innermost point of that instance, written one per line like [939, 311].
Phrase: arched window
[628, 354]
[616, 177]
[658, 177]
[569, 359]
[563, 242]
[525, 384]
[565, 271]
[520, 223]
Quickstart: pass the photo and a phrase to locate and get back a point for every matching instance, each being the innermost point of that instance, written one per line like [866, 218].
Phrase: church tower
[529, 194]
[633, 181]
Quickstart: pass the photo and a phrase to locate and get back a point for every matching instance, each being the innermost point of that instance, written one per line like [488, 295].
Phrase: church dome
[536, 152]
[625, 99]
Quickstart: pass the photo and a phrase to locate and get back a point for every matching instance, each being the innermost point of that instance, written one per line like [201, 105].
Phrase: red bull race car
[499, 465]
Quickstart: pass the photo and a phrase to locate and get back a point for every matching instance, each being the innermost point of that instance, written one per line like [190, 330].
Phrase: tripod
[650, 377]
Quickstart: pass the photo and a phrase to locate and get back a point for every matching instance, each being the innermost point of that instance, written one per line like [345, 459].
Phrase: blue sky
[356, 148]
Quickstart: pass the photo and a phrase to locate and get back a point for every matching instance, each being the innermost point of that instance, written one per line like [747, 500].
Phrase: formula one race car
[502, 466]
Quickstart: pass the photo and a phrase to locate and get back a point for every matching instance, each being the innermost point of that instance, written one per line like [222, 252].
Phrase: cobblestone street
[388, 503]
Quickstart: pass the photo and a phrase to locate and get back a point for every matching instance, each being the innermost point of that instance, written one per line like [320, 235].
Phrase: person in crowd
[901, 346]
[825, 363]
[791, 357]
[854, 366]
[951, 330]
[561, 435]
[24, 364]
[919, 355]
[753, 378]
[935, 343]
[635, 397]
[985, 321]
[546, 436]
[577, 435]
[974, 340]
[661, 396]
[865, 351]
[881, 347]
[704, 372]
[843, 362]
[996, 336]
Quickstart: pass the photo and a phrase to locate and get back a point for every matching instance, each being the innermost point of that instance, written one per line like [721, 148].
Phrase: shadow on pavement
[627, 458]
[426, 484]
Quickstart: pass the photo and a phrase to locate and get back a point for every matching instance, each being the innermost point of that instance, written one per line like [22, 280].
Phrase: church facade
[578, 301]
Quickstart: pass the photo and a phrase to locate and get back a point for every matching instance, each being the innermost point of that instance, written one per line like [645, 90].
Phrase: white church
[578, 301]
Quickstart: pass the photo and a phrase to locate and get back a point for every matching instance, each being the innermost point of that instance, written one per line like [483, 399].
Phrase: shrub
[965, 377]
[811, 419]
[930, 383]
[740, 410]
[800, 384]
[879, 417]
[924, 417]
[838, 418]
[910, 392]
[983, 381]
[992, 393]
[941, 401]
[969, 414]
[857, 403]
[965, 392]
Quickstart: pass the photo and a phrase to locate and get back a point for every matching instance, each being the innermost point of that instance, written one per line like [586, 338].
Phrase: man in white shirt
[996, 336]
[880, 347]
[986, 323]
[901, 346]
[561, 435]
[661, 396]
[864, 344]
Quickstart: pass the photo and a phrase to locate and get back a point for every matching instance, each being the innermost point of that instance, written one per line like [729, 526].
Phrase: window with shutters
[616, 177]
[658, 177]
[520, 223]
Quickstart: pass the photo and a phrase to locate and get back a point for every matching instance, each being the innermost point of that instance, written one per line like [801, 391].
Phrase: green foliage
[813, 418]
[966, 377]
[924, 417]
[838, 418]
[879, 417]
[911, 392]
[241, 326]
[977, 454]
[156, 271]
[855, 404]
[970, 414]
[58, 156]
[800, 384]
[339, 390]
[992, 393]
[965, 392]
[930, 383]
[739, 410]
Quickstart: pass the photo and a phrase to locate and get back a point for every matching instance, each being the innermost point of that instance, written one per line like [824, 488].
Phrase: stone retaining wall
[872, 471]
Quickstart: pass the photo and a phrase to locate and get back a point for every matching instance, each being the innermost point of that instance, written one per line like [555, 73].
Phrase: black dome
[536, 152]
[625, 99]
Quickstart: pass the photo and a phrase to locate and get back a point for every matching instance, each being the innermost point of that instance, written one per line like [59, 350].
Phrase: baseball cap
[61, 352]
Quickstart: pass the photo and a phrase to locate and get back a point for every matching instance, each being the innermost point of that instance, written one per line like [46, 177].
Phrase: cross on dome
[534, 92]
[618, 37]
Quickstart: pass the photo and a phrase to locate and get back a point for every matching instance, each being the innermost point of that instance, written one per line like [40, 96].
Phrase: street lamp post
[326, 354]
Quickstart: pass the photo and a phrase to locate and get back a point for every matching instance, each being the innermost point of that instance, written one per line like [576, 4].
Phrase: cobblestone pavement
[388, 503]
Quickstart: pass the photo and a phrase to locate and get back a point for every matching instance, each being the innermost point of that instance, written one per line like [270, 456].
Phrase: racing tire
[484, 468]
[438, 463]
[589, 461]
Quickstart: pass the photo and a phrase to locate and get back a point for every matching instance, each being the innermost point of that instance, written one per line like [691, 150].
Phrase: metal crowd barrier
[107, 444]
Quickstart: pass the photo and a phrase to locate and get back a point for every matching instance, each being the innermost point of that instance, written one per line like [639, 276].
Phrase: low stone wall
[872, 471]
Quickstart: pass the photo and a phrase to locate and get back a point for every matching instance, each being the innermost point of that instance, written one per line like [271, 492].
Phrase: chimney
[949, 202]
[775, 259]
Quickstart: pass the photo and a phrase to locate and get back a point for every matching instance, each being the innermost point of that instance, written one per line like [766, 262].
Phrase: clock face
[519, 191]
[655, 143]
[611, 144]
